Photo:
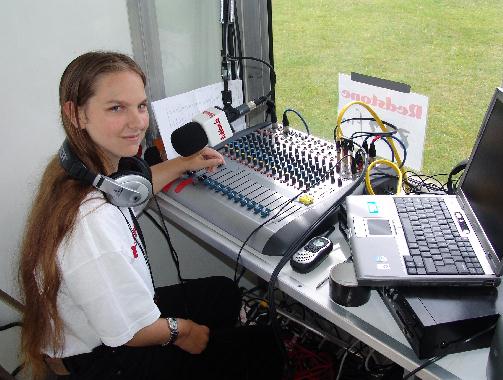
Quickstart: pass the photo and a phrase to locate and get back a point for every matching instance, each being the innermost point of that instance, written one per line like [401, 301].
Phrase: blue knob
[258, 208]
[265, 213]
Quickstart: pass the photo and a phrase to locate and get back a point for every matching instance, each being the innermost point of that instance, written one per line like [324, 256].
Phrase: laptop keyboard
[435, 245]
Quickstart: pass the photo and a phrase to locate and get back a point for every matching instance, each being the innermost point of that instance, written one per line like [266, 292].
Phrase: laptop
[437, 239]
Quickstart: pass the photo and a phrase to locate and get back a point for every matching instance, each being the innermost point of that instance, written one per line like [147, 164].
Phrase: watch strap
[173, 328]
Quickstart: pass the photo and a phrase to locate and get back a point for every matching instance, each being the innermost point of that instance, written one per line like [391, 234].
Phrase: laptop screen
[483, 178]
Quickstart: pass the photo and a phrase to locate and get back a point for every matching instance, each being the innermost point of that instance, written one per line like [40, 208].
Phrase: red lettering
[390, 106]
[415, 111]
[221, 131]
[402, 110]
[411, 110]
[374, 100]
[210, 114]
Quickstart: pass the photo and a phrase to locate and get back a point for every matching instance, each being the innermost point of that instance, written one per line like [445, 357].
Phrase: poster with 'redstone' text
[407, 111]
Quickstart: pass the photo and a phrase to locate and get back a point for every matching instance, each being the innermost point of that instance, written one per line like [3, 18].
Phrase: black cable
[142, 248]
[416, 185]
[436, 358]
[165, 232]
[388, 124]
[385, 139]
[387, 143]
[238, 39]
[174, 254]
[10, 325]
[17, 370]
[6, 327]
[390, 134]
[273, 73]
[292, 249]
[395, 129]
[285, 119]
[289, 201]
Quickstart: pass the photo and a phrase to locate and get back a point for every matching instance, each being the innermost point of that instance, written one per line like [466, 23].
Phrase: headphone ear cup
[135, 164]
[136, 175]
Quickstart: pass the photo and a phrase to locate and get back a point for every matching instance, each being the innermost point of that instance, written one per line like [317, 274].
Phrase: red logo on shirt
[133, 247]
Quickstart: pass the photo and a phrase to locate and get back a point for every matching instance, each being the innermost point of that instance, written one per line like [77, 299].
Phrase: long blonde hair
[55, 208]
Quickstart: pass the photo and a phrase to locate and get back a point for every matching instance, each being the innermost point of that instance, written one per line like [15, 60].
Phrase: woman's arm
[169, 170]
[192, 337]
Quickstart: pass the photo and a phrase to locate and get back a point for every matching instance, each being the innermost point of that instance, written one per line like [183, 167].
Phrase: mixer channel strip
[285, 181]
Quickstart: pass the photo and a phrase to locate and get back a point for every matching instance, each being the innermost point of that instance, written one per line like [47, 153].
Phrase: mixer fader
[287, 177]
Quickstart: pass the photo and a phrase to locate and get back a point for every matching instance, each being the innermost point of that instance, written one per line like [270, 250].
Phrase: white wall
[38, 39]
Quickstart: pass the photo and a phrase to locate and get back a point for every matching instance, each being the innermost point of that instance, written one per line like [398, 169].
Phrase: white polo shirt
[106, 293]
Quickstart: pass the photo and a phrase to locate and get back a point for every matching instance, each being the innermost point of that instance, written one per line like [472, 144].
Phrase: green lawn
[450, 51]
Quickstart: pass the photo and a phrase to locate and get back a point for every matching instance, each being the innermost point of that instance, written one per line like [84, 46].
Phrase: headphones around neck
[130, 186]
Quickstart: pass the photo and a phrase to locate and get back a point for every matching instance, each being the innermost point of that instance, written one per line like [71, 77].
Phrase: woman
[90, 309]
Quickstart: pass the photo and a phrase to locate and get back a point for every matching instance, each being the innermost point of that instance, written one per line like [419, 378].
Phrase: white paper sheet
[175, 111]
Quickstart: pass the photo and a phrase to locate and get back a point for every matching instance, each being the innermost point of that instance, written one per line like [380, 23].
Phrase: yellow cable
[378, 120]
[393, 166]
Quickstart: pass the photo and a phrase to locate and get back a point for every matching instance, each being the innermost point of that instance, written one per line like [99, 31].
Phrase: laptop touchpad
[379, 227]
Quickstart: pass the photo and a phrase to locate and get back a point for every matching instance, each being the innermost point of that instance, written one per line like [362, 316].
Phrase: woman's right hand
[192, 337]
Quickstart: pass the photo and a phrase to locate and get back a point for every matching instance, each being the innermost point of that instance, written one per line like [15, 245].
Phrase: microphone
[210, 127]
[235, 113]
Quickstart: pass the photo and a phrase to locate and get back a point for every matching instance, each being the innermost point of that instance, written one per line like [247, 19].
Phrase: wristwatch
[173, 327]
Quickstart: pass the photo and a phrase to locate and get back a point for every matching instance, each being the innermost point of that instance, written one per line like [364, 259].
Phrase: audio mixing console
[285, 178]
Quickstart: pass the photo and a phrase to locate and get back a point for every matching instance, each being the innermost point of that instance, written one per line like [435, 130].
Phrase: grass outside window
[450, 51]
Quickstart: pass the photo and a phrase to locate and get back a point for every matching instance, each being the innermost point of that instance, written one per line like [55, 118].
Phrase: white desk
[371, 323]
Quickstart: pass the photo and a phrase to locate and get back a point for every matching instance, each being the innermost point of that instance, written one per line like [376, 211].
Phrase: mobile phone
[311, 254]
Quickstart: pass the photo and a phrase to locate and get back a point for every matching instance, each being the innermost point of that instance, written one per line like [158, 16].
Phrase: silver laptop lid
[481, 187]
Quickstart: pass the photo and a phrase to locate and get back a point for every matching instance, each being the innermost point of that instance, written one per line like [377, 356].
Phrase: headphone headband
[130, 189]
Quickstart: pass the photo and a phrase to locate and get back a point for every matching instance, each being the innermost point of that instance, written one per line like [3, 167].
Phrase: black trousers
[232, 353]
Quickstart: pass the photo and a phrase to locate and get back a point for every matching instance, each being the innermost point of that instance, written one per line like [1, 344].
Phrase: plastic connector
[285, 121]
[271, 109]
[372, 151]
[286, 124]
[365, 146]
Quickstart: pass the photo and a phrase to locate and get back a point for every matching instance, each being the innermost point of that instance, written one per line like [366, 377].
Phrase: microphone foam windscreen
[189, 139]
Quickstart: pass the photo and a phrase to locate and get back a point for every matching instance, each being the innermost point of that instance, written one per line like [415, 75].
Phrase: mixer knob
[244, 201]
[258, 208]
[265, 212]
[251, 204]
